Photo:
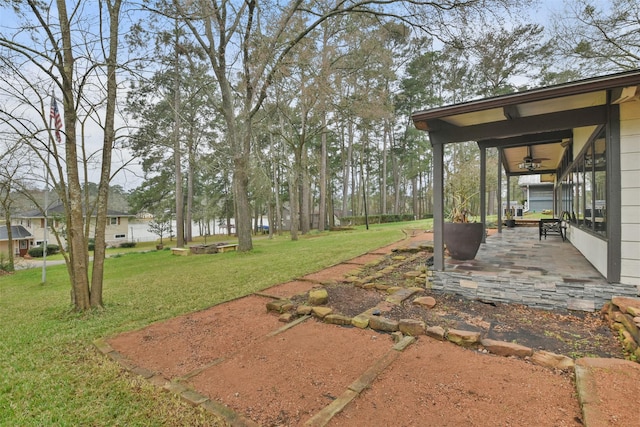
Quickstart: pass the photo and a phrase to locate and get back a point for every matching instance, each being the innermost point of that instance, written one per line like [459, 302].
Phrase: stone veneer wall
[548, 292]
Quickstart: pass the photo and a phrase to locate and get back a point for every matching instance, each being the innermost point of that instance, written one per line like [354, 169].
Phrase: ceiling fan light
[529, 165]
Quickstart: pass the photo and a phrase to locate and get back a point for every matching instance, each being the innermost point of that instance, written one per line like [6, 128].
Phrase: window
[583, 188]
[121, 236]
[113, 221]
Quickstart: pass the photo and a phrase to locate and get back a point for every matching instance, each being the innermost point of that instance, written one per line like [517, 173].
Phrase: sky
[131, 177]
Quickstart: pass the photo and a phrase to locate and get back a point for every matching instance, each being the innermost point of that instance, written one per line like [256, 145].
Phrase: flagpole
[46, 199]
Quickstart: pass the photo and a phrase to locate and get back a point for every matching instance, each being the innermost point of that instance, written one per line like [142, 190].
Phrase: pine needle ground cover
[52, 375]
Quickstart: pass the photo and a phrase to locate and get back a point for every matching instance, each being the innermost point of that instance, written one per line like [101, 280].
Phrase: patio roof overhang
[537, 124]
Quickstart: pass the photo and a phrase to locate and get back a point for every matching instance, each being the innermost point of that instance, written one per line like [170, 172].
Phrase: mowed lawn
[50, 373]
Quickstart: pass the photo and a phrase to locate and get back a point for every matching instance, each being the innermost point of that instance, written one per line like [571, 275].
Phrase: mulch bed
[572, 333]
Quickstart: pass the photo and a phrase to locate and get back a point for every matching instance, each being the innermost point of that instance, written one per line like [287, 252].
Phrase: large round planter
[510, 223]
[463, 239]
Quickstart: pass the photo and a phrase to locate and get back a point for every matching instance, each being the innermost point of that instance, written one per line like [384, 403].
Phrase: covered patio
[584, 138]
[515, 266]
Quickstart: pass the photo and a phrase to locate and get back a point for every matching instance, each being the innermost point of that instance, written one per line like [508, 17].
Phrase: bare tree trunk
[322, 206]
[177, 149]
[346, 166]
[7, 222]
[305, 214]
[79, 256]
[99, 253]
[190, 179]
[293, 195]
[277, 225]
[383, 181]
[241, 189]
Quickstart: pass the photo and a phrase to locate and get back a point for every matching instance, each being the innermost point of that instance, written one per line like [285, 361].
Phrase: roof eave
[594, 84]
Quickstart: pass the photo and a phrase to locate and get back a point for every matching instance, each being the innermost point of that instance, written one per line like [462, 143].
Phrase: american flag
[55, 115]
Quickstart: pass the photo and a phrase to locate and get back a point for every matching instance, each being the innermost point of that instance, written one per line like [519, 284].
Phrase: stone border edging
[324, 416]
[588, 391]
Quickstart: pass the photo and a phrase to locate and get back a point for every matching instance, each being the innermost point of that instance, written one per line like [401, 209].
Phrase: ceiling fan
[529, 163]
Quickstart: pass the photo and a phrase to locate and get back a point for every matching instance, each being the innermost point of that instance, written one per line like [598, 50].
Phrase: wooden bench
[180, 251]
[551, 226]
[228, 248]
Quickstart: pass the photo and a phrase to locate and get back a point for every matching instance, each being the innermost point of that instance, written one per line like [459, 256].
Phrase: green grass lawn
[50, 373]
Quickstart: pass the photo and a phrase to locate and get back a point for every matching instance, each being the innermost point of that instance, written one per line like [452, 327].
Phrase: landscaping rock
[412, 327]
[463, 338]
[436, 332]
[321, 312]
[360, 321]
[628, 323]
[628, 342]
[426, 302]
[303, 310]
[552, 360]
[396, 336]
[412, 274]
[337, 319]
[384, 324]
[400, 295]
[286, 317]
[318, 296]
[279, 305]
[626, 303]
[502, 348]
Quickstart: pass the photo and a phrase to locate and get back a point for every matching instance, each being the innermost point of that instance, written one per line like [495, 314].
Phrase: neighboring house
[116, 232]
[22, 240]
[537, 193]
[582, 136]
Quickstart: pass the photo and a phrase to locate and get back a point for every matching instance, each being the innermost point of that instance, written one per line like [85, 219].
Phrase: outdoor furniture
[551, 226]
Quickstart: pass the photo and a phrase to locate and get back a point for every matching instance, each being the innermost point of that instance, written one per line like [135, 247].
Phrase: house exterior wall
[540, 197]
[4, 246]
[114, 233]
[593, 248]
[35, 227]
[630, 187]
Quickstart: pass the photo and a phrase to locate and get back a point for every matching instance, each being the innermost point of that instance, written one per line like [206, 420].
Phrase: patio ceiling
[536, 124]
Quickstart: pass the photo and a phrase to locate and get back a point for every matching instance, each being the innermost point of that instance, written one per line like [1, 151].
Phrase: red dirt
[227, 354]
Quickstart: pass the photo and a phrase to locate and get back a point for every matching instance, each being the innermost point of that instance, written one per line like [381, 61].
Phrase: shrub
[4, 263]
[36, 251]
[376, 219]
[92, 244]
[128, 244]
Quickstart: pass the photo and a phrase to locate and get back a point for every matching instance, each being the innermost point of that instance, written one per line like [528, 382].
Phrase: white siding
[592, 248]
[630, 195]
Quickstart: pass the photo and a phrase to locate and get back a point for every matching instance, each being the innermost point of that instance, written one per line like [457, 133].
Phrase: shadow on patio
[516, 267]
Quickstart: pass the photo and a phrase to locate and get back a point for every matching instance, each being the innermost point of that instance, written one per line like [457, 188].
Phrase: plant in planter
[461, 236]
[509, 219]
